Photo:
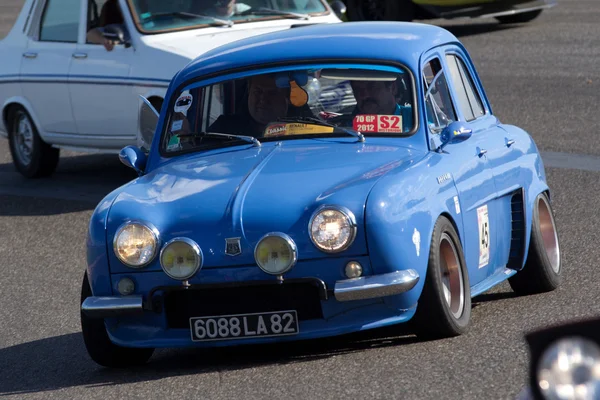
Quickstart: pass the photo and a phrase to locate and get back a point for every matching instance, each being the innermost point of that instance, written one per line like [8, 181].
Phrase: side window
[100, 14]
[438, 103]
[468, 98]
[60, 22]
[213, 105]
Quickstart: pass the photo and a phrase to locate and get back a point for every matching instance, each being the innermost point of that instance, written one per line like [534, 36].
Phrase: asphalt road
[542, 76]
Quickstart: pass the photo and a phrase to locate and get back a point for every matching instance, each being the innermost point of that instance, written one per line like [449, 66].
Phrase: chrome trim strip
[367, 287]
[110, 306]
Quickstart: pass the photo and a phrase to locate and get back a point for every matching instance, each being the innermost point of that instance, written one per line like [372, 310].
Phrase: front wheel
[444, 309]
[542, 271]
[380, 10]
[32, 157]
[519, 18]
[98, 344]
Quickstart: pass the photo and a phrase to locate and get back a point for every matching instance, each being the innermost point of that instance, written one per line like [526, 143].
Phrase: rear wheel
[32, 157]
[380, 10]
[98, 344]
[542, 271]
[519, 18]
[444, 309]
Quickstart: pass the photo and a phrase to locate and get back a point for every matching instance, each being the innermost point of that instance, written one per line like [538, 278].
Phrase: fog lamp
[353, 269]
[125, 286]
[276, 253]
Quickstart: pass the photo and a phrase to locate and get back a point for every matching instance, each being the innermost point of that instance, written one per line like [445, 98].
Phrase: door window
[60, 21]
[438, 103]
[467, 97]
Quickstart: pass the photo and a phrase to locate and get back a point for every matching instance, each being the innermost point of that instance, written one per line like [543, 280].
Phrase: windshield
[154, 16]
[291, 105]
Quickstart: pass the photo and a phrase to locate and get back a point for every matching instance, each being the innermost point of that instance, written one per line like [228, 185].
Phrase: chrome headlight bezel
[290, 242]
[195, 247]
[155, 235]
[351, 219]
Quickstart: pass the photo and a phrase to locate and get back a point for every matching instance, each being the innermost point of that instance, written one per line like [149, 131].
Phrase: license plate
[268, 324]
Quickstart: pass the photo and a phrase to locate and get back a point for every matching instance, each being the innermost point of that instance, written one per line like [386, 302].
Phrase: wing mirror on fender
[339, 8]
[117, 33]
[133, 158]
[456, 132]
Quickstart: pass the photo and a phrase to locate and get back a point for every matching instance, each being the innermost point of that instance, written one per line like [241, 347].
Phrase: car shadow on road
[62, 362]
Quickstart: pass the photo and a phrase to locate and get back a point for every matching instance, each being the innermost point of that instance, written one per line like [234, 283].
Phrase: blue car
[314, 182]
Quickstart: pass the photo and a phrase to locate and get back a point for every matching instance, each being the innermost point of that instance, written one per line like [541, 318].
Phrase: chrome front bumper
[366, 287]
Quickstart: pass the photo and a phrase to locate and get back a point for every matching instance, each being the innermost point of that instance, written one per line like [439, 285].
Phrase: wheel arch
[14, 102]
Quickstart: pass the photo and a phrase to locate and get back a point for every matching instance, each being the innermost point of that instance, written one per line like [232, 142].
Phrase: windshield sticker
[377, 123]
[279, 129]
[183, 103]
[176, 125]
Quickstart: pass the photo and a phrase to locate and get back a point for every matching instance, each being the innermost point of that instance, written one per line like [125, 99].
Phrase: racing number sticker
[377, 123]
[483, 222]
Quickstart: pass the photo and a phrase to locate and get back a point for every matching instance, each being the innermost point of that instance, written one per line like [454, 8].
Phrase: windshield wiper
[250, 139]
[271, 11]
[317, 121]
[215, 21]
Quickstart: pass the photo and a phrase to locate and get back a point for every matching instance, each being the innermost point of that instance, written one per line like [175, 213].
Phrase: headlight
[570, 369]
[276, 253]
[135, 244]
[181, 258]
[332, 229]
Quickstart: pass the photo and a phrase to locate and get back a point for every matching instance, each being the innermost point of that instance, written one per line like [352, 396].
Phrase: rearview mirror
[148, 120]
[339, 8]
[133, 158]
[455, 132]
[117, 33]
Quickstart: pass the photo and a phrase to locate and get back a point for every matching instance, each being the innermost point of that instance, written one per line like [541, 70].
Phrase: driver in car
[110, 14]
[266, 103]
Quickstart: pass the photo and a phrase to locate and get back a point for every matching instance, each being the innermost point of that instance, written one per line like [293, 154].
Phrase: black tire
[380, 10]
[542, 271]
[99, 346]
[435, 318]
[43, 158]
[519, 18]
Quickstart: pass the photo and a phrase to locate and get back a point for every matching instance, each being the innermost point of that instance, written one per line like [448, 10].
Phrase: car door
[46, 62]
[468, 164]
[103, 101]
[497, 143]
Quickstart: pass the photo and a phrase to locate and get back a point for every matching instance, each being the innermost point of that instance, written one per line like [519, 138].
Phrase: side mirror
[339, 8]
[133, 158]
[456, 132]
[148, 120]
[117, 33]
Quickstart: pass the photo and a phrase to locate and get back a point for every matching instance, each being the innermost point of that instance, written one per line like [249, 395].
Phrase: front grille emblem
[233, 246]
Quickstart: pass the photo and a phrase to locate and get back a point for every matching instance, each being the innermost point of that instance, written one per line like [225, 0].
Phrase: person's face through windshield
[375, 97]
[267, 102]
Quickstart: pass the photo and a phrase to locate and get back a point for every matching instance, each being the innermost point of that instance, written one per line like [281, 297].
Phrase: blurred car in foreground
[288, 216]
[71, 71]
[505, 11]
[564, 362]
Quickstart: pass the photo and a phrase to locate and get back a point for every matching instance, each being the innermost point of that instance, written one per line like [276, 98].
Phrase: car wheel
[32, 157]
[542, 271]
[519, 18]
[444, 308]
[380, 10]
[98, 344]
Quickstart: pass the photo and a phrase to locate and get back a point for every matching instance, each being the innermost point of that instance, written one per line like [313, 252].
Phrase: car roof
[382, 40]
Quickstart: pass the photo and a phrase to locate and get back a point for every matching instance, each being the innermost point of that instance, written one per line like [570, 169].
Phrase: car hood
[246, 193]
[193, 43]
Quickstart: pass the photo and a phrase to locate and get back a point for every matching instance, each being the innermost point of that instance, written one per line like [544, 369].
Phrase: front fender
[97, 247]
[401, 212]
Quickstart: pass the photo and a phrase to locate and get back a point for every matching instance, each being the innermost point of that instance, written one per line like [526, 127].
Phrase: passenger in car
[266, 103]
[110, 14]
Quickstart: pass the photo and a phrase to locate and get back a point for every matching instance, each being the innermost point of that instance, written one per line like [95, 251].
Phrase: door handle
[79, 55]
[510, 143]
[482, 152]
[30, 55]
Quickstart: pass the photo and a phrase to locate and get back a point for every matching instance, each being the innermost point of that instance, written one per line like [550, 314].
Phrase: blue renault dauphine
[314, 182]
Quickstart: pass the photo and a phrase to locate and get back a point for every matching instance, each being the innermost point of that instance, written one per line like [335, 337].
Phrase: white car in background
[62, 88]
